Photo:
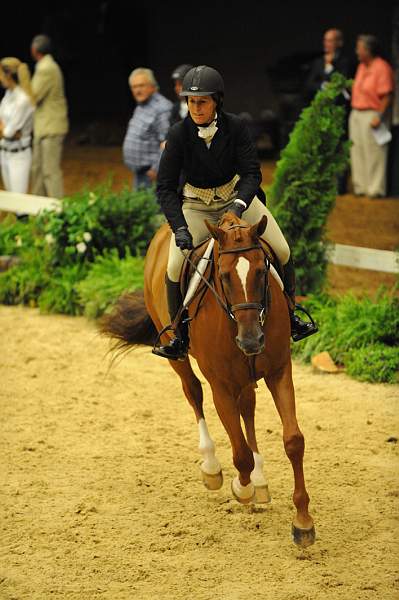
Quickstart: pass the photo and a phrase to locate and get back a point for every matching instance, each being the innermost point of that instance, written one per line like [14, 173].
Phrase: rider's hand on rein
[184, 239]
[238, 207]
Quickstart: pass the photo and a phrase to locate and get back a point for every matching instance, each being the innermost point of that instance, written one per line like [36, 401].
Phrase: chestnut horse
[239, 333]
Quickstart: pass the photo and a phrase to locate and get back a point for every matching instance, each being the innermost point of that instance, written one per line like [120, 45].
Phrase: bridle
[261, 307]
[228, 308]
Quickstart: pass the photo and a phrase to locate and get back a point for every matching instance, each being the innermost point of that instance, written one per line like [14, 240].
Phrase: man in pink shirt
[371, 97]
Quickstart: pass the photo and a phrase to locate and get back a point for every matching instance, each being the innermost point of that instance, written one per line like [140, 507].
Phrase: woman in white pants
[16, 123]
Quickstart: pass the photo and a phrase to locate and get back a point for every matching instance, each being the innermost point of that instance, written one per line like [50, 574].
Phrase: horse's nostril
[251, 346]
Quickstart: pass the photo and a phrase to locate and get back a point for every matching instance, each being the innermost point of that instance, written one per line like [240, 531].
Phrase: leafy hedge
[92, 222]
[360, 333]
[374, 363]
[95, 233]
[107, 279]
[305, 183]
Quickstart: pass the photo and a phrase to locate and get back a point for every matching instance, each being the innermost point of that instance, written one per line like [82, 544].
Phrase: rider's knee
[175, 264]
[283, 252]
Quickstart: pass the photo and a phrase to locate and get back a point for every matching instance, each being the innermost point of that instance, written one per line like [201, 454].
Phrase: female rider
[209, 166]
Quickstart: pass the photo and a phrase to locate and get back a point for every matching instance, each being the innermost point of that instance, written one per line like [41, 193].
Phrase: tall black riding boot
[299, 329]
[178, 346]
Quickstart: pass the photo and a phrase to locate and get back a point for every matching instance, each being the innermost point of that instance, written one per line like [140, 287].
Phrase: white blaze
[242, 270]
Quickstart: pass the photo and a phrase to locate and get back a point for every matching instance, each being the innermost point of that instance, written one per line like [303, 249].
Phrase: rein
[222, 304]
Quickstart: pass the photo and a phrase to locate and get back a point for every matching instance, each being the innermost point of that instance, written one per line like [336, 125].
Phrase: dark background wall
[259, 46]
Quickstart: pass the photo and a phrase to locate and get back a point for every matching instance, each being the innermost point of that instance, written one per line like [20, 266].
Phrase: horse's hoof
[244, 494]
[262, 495]
[212, 482]
[303, 537]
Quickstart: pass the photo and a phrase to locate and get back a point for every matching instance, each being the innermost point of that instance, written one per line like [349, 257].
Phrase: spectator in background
[180, 109]
[371, 98]
[50, 123]
[16, 122]
[333, 60]
[147, 128]
[322, 68]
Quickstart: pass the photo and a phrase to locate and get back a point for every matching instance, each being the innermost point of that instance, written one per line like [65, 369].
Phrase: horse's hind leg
[210, 467]
[247, 403]
[282, 390]
[227, 406]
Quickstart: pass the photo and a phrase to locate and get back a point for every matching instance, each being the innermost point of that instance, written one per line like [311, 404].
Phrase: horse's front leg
[247, 404]
[211, 470]
[282, 390]
[227, 406]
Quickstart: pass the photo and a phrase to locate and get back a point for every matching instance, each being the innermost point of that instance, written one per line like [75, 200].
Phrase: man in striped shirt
[147, 128]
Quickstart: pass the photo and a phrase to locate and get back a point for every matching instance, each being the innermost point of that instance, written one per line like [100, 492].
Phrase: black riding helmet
[180, 72]
[204, 81]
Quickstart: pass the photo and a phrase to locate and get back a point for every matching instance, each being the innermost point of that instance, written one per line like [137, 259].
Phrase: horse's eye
[225, 276]
[261, 272]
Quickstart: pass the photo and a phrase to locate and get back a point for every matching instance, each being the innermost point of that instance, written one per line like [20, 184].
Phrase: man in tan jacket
[50, 121]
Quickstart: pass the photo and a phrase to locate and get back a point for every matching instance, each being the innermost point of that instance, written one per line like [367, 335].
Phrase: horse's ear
[259, 228]
[215, 231]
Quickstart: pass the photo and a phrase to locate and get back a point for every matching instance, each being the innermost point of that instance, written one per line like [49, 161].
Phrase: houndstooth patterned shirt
[146, 130]
[208, 195]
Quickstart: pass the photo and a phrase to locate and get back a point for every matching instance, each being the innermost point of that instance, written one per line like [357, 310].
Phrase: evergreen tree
[305, 184]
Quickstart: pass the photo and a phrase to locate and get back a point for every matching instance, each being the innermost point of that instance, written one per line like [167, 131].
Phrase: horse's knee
[294, 445]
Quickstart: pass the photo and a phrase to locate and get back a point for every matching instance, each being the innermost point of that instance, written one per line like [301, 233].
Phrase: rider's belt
[11, 145]
[223, 192]
[5, 149]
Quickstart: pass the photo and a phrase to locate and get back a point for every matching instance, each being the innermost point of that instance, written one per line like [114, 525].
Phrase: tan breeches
[368, 159]
[195, 215]
[46, 166]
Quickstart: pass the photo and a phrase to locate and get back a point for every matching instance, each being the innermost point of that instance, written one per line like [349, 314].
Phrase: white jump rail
[27, 204]
[384, 261]
[338, 254]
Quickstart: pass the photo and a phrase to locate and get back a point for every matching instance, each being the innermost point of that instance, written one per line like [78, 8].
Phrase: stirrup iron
[312, 327]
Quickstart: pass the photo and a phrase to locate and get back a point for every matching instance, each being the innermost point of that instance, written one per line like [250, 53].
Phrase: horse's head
[243, 272]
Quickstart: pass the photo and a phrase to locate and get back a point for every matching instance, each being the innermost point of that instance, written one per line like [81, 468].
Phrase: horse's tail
[129, 323]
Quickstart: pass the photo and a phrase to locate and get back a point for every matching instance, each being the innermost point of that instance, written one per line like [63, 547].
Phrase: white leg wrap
[245, 492]
[257, 476]
[211, 465]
